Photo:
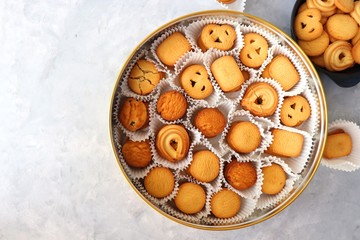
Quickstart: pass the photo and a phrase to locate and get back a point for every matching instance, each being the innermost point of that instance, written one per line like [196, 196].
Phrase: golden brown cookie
[137, 154]
[243, 137]
[345, 6]
[356, 12]
[190, 198]
[225, 203]
[260, 99]
[159, 182]
[227, 73]
[226, 1]
[285, 143]
[338, 56]
[356, 52]
[133, 114]
[315, 47]
[245, 74]
[144, 77]
[319, 60]
[294, 111]
[173, 48]
[173, 142]
[196, 82]
[324, 5]
[284, 72]
[171, 105]
[338, 145]
[342, 26]
[355, 39]
[302, 7]
[274, 179]
[210, 122]
[205, 166]
[307, 24]
[217, 36]
[255, 50]
[240, 175]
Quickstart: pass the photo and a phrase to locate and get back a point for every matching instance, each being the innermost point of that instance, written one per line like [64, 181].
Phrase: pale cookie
[345, 6]
[294, 111]
[255, 50]
[196, 82]
[172, 48]
[338, 56]
[217, 36]
[307, 24]
[315, 47]
[274, 179]
[243, 137]
[342, 26]
[285, 143]
[205, 166]
[327, 7]
[227, 73]
[159, 182]
[284, 72]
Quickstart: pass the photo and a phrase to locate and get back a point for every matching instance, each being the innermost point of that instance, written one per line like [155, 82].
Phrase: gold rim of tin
[321, 138]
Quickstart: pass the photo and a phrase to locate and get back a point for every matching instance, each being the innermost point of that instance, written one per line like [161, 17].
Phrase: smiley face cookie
[294, 111]
[217, 36]
[196, 82]
[307, 24]
[255, 50]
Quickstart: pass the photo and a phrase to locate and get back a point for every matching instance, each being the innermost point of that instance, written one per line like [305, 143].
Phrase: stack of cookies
[214, 120]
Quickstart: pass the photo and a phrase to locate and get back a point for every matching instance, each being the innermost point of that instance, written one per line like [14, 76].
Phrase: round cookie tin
[255, 206]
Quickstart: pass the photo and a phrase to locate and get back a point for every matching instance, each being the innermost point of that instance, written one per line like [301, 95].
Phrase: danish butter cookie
[315, 47]
[190, 198]
[342, 26]
[134, 114]
[356, 12]
[210, 122]
[225, 203]
[159, 182]
[196, 82]
[345, 6]
[243, 137]
[255, 50]
[240, 175]
[173, 48]
[137, 154]
[338, 56]
[217, 36]
[205, 166]
[274, 179]
[338, 145]
[307, 24]
[284, 72]
[144, 77]
[171, 105]
[356, 52]
[294, 111]
[285, 143]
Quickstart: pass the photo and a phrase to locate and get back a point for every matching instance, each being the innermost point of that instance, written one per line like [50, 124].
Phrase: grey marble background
[59, 178]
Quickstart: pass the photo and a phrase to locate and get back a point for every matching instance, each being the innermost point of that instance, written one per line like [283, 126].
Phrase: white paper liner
[193, 31]
[139, 184]
[299, 66]
[275, 118]
[226, 108]
[238, 5]
[189, 59]
[351, 162]
[155, 126]
[247, 207]
[297, 164]
[156, 43]
[170, 207]
[245, 116]
[216, 183]
[124, 87]
[269, 201]
[210, 57]
[138, 135]
[254, 191]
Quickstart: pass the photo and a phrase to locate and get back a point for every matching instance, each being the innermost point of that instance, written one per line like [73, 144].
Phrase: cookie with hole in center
[196, 82]
[294, 111]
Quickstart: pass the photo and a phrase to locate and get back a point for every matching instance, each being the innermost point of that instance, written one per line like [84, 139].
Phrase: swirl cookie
[307, 24]
[338, 56]
[217, 36]
[294, 111]
[210, 122]
[133, 114]
[227, 74]
[159, 182]
[225, 203]
[260, 99]
[144, 77]
[285, 143]
[205, 166]
[190, 198]
[196, 82]
[137, 154]
[240, 175]
[274, 179]
[171, 105]
[243, 137]
[173, 48]
[255, 50]
[172, 142]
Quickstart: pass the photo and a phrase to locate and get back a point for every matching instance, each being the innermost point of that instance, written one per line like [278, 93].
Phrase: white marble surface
[58, 176]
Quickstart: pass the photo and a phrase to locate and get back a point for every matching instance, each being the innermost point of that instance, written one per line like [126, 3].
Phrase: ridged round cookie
[225, 203]
[133, 114]
[210, 122]
[171, 105]
[243, 137]
[190, 198]
[159, 182]
[205, 166]
[274, 179]
[137, 154]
